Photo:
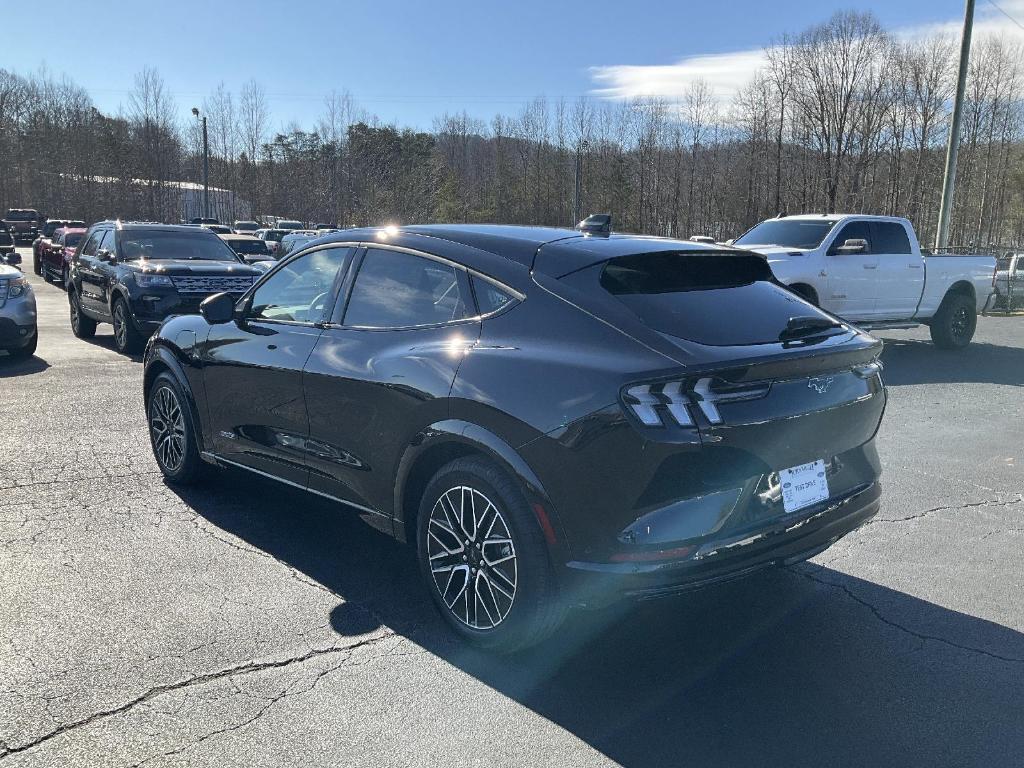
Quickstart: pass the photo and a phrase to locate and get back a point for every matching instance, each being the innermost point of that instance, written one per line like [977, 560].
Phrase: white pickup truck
[870, 270]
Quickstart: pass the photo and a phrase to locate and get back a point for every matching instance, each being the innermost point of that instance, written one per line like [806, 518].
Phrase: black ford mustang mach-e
[552, 417]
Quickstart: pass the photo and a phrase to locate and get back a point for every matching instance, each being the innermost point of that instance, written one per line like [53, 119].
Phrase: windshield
[249, 246]
[276, 234]
[788, 233]
[13, 215]
[156, 244]
[248, 226]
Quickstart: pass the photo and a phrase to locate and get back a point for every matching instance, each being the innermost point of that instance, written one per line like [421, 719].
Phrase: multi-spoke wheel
[484, 557]
[171, 431]
[126, 338]
[472, 557]
[167, 428]
[955, 322]
[83, 327]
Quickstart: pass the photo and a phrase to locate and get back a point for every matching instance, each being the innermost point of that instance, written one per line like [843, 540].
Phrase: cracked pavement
[246, 624]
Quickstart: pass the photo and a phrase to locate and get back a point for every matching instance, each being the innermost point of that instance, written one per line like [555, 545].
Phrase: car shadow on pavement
[24, 367]
[798, 667]
[910, 361]
[106, 341]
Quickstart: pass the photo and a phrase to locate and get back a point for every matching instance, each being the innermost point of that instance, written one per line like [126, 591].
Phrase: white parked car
[295, 240]
[870, 270]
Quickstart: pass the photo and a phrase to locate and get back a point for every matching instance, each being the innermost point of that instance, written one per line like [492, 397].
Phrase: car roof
[554, 250]
[236, 236]
[133, 225]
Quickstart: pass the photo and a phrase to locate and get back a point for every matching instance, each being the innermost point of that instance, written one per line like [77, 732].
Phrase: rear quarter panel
[942, 272]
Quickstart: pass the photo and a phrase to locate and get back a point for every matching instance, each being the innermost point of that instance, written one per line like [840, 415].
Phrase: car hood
[189, 267]
[7, 271]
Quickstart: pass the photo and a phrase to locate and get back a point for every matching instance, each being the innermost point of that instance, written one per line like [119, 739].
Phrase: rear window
[14, 215]
[72, 239]
[719, 299]
[249, 247]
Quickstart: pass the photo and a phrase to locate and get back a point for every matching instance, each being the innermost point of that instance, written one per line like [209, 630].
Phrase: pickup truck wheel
[35, 264]
[126, 338]
[83, 327]
[954, 324]
[805, 292]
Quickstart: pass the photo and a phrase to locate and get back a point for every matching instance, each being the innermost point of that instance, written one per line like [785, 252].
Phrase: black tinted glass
[250, 246]
[399, 290]
[5, 237]
[72, 239]
[890, 237]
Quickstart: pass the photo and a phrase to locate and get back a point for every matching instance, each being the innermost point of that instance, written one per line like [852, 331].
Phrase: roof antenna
[596, 224]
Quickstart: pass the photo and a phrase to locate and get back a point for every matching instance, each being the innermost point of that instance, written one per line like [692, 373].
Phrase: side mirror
[218, 309]
[853, 246]
[730, 241]
[104, 255]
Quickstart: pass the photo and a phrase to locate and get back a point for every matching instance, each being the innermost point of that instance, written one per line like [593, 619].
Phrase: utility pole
[206, 167]
[949, 181]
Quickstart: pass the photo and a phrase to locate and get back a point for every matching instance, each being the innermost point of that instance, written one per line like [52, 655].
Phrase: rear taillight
[657, 405]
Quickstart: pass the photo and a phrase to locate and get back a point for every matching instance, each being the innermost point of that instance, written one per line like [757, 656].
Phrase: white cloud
[727, 73]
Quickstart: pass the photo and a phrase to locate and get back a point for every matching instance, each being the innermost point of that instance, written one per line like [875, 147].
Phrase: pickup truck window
[788, 233]
[855, 230]
[890, 237]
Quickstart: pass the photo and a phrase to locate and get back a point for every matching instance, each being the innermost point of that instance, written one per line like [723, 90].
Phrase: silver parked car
[18, 331]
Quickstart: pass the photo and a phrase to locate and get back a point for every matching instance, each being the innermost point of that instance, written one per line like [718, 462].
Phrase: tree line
[843, 116]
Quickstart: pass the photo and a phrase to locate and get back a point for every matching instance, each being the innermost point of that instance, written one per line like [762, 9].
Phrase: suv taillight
[657, 405]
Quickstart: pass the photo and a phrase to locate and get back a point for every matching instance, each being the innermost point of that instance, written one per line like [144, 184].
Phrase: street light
[206, 167]
[578, 193]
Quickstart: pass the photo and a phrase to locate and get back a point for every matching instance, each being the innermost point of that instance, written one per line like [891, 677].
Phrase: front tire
[954, 324]
[25, 352]
[83, 327]
[484, 559]
[172, 433]
[127, 339]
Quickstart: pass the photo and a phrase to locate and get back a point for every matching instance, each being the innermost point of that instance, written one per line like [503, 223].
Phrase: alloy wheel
[167, 427]
[75, 313]
[472, 557]
[120, 326]
[960, 323]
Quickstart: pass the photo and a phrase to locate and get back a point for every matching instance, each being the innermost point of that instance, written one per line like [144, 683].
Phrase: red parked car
[46, 237]
[55, 256]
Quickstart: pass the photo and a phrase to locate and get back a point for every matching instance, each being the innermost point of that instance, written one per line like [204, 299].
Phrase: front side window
[109, 242]
[300, 290]
[399, 290]
[855, 230]
[93, 244]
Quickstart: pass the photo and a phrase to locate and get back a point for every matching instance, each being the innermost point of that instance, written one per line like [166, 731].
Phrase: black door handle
[271, 346]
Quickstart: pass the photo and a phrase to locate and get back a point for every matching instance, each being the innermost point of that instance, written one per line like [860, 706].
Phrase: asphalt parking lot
[246, 624]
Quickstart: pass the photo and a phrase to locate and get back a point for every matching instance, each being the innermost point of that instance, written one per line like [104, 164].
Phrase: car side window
[108, 243]
[301, 290]
[92, 245]
[855, 230]
[489, 297]
[394, 289]
[889, 237]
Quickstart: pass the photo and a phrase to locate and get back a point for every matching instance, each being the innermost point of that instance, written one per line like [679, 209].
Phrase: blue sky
[407, 61]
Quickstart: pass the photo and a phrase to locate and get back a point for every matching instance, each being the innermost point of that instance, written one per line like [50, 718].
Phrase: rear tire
[172, 433]
[83, 327]
[127, 339]
[484, 558]
[954, 324]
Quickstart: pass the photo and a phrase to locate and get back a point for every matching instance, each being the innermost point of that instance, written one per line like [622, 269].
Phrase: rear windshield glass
[791, 233]
[249, 246]
[276, 234]
[156, 244]
[72, 239]
[22, 215]
[719, 299]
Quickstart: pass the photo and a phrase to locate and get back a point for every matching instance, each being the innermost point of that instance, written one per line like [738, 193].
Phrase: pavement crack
[6, 750]
[895, 625]
[925, 513]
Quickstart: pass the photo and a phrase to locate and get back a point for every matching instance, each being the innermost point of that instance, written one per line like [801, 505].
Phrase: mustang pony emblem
[820, 385]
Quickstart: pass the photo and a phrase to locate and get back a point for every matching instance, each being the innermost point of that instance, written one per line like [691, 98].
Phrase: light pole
[206, 167]
[948, 182]
[578, 196]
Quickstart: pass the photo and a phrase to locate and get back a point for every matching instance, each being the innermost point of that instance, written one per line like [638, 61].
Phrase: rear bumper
[785, 541]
